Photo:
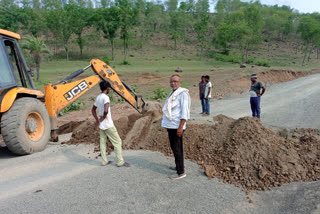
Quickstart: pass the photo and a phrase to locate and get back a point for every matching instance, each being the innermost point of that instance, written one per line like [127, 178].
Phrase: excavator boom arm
[109, 75]
[58, 96]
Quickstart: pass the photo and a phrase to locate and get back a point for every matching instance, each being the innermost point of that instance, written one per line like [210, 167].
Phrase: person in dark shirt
[255, 95]
[202, 88]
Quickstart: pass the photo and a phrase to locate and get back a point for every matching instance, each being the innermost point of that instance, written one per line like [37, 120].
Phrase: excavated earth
[241, 152]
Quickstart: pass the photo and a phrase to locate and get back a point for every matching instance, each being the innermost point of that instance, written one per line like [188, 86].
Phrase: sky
[303, 6]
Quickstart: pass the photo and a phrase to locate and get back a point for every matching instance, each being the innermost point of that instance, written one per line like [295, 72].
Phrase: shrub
[114, 97]
[264, 63]
[228, 58]
[106, 59]
[249, 61]
[125, 62]
[75, 106]
[159, 94]
[134, 88]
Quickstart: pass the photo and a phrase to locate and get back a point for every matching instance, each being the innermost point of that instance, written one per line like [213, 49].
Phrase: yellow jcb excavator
[29, 116]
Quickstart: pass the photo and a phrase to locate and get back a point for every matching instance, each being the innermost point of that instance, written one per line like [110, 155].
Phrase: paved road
[293, 104]
[66, 179]
[69, 179]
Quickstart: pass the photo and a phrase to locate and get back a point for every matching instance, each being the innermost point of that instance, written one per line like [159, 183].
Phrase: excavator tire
[26, 127]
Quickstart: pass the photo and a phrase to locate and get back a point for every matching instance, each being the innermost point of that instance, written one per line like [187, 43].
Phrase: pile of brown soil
[241, 152]
[226, 82]
[242, 85]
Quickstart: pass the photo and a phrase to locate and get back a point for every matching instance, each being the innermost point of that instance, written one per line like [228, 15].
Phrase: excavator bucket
[108, 74]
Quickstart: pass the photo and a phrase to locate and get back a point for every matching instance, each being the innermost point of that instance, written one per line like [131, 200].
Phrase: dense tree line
[235, 25]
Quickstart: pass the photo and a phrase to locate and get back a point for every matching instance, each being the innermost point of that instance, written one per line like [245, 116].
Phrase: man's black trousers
[176, 145]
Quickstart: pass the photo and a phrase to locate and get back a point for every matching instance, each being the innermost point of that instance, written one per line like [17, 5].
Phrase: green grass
[150, 67]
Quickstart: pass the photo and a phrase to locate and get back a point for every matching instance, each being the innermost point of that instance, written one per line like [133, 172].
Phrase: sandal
[109, 162]
[126, 164]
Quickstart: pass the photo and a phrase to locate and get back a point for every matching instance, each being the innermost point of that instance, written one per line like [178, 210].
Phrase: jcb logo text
[76, 90]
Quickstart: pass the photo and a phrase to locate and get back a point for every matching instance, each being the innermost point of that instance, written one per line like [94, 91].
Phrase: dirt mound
[69, 127]
[241, 84]
[267, 78]
[241, 152]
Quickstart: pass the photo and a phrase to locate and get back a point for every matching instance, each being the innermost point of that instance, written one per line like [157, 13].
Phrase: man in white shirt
[207, 96]
[106, 126]
[176, 111]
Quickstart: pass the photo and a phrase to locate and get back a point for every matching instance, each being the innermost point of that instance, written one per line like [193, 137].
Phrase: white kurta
[180, 109]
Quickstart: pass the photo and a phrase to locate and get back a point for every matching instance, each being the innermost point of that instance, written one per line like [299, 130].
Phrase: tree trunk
[55, 48]
[38, 71]
[310, 52]
[112, 49]
[124, 49]
[305, 54]
[66, 49]
[247, 53]
[80, 42]
[242, 55]
[37, 59]
[154, 27]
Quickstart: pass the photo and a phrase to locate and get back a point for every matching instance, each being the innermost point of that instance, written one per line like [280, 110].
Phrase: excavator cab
[28, 116]
[14, 71]
[25, 123]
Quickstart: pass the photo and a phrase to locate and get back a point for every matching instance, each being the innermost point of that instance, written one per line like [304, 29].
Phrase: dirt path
[291, 104]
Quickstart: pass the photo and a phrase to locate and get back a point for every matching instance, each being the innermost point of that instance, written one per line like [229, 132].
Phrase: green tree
[32, 21]
[36, 4]
[172, 5]
[37, 48]
[242, 28]
[60, 23]
[25, 3]
[224, 36]
[105, 3]
[10, 18]
[179, 21]
[128, 17]
[309, 29]
[225, 7]
[175, 28]
[51, 4]
[155, 16]
[80, 19]
[202, 6]
[7, 3]
[107, 20]
[201, 27]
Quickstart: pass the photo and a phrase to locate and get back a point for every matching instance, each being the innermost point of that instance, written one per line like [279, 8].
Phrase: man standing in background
[202, 88]
[207, 96]
[176, 111]
[255, 95]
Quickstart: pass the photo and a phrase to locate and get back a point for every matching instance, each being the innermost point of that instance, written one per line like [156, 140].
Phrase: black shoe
[177, 177]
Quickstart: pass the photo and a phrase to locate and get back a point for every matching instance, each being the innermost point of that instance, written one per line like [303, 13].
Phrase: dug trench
[241, 152]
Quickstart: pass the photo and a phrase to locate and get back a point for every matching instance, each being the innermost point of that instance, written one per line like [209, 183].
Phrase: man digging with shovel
[176, 111]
